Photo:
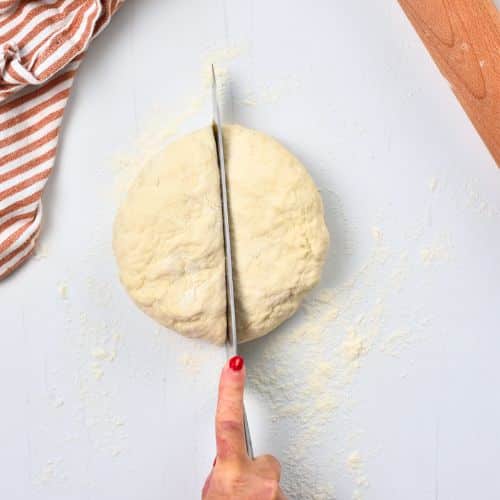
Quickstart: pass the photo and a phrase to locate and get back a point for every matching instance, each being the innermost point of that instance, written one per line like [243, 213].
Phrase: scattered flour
[62, 289]
[192, 363]
[58, 402]
[477, 203]
[51, 472]
[271, 93]
[394, 344]
[307, 369]
[100, 291]
[355, 467]
[377, 233]
[101, 354]
[96, 345]
[41, 251]
[436, 252]
[354, 461]
[353, 347]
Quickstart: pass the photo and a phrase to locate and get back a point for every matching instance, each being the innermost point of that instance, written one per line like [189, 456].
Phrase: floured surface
[393, 423]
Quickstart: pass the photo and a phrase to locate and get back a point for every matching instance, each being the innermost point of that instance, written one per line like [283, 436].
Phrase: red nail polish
[236, 363]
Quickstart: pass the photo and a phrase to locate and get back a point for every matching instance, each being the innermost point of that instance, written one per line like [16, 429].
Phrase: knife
[232, 335]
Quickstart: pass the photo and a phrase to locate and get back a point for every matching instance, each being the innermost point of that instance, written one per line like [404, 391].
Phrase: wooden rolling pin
[463, 37]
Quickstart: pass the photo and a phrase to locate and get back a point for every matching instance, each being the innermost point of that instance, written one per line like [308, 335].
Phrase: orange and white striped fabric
[42, 43]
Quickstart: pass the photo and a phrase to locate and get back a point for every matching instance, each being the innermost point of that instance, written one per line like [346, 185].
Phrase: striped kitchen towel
[42, 43]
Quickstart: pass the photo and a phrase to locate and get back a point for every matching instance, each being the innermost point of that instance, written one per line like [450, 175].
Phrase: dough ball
[169, 245]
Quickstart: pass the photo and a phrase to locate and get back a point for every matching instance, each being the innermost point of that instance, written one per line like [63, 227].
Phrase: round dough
[168, 235]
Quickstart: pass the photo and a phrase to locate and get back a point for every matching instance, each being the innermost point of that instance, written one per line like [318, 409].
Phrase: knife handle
[463, 38]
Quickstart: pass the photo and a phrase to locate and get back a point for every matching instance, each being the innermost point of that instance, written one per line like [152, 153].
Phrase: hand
[234, 475]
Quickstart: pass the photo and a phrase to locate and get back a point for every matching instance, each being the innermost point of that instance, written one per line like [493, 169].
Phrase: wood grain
[463, 37]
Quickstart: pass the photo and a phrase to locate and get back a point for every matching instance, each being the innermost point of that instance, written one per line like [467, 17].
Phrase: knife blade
[232, 335]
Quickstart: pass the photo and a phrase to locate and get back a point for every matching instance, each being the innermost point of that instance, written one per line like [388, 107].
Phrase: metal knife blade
[232, 336]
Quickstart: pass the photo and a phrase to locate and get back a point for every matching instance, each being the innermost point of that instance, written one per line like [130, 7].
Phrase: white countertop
[393, 385]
